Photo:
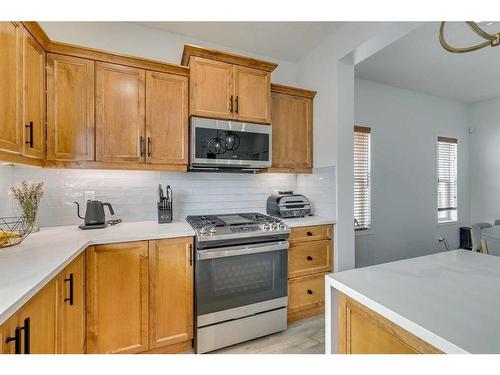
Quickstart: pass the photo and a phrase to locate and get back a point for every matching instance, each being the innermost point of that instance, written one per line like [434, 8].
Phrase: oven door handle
[241, 250]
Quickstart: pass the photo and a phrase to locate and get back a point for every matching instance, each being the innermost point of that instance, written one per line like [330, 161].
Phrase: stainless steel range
[240, 278]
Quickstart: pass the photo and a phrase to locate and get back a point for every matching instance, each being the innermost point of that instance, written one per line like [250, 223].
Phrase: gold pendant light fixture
[492, 40]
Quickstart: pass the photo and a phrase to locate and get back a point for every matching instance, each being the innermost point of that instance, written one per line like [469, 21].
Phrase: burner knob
[275, 225]
[203, 230]
[212, 230]
[282, 225]
[266, 227]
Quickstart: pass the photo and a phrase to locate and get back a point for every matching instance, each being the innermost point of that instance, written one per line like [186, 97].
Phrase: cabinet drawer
[305, 258]
[312, 233]
[306, 293]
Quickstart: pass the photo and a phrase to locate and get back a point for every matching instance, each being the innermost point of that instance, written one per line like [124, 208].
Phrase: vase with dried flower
[28, 195]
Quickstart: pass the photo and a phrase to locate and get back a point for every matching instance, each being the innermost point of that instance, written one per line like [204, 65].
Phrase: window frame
[368, 228]
[452, 215]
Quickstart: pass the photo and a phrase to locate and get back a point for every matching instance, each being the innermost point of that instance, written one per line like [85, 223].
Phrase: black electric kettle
[95, 217]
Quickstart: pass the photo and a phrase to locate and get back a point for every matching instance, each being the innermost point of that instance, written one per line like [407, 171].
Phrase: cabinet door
[70, 108]
[120, 119]
[171, 291]
[71, 299]
[34, 97]
[11, 87]
[211, 88]
[166, 118]
[117, 298]
[253, 95]
[40, 313]
[7, 336]
[292, 131]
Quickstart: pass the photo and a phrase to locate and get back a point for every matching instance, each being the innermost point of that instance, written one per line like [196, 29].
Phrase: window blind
[447, 178]
[362, 196]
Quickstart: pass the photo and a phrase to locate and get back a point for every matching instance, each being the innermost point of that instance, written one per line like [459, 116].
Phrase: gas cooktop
[236, 226]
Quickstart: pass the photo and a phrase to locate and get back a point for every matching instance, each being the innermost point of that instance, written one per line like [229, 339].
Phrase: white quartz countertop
[450, 300]
[26, 268]
[307, 221]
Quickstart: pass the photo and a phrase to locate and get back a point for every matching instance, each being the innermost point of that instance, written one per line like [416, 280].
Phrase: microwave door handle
[241, 250]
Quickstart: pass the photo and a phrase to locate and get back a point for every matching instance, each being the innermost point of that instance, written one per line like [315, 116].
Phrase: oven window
[231, 145]
[226, 283]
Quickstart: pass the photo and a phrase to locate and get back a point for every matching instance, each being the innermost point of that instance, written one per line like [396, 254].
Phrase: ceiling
[418, 62]
[282, 40]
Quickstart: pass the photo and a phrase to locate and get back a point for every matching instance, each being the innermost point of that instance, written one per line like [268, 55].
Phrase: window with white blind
[447, 179]
[362, 195]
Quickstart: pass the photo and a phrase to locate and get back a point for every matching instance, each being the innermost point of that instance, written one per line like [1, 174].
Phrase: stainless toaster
[287, 204]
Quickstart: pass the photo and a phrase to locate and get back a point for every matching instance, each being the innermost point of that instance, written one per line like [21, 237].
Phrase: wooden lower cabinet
[140, 296]
[36, 321]
[71, 305]
[363, 331]
[171, 291]
[310, 258]
[117, 298]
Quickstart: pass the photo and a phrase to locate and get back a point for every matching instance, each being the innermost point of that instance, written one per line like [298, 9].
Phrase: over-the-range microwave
[229, 146]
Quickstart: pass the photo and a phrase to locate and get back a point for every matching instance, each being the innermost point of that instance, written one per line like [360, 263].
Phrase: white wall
[484, 118]
[137, 40]
[405, 126]
[323, 71]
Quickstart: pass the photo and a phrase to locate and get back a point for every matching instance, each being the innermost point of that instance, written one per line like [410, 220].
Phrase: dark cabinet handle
[309, 233]
[30, 126]
[70, 280]
[150, 147]
[16, 339]
[237, 103]
[231, 104]
[190, 254]
[309, 291]
[27, 333]
[141, 145]
[309, 257]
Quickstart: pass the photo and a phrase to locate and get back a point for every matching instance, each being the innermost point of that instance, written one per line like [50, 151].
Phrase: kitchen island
[446, 302]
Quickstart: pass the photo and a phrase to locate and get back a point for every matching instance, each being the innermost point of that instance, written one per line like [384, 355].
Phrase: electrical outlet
[89, 195]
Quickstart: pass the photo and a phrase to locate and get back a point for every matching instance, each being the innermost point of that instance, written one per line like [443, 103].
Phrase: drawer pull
[309, 291]
[309, 257]
[309, 233]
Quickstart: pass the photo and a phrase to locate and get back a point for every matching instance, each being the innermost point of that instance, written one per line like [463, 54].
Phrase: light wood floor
[303, 337]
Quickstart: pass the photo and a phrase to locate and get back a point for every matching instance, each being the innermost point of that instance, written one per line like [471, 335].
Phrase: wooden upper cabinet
[11, 86]
[70, 108]
[166, 118]
[211, 88]
[117, 298]
[292, 124]
[120, 113]
[34, 98]
[71, 308]
[252, 95]
[228, 86]
[171, 291]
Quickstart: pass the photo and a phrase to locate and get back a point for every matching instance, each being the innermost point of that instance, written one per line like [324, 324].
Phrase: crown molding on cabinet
[37, 32]
[116, 58]
[192, 50]
[99, 55]
[291, 90]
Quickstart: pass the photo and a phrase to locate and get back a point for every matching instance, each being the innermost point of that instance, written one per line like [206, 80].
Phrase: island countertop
[450, 300]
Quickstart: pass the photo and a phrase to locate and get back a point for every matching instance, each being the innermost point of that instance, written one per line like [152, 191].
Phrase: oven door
[237, 281]
[230, 144]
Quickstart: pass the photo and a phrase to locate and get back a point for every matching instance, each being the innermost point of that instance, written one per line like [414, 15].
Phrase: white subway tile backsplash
[133, 194]
[320, 188]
